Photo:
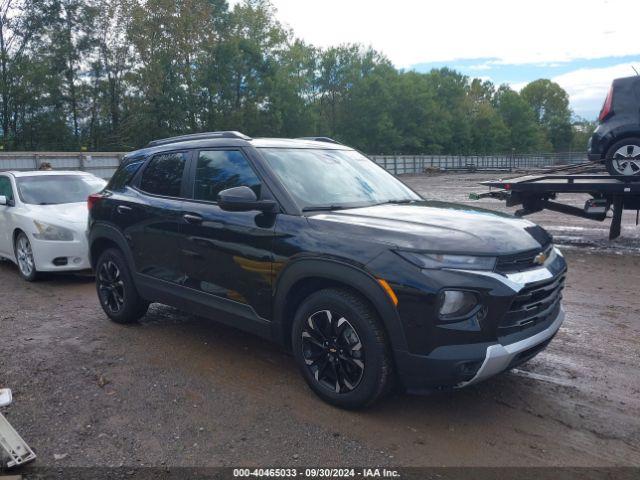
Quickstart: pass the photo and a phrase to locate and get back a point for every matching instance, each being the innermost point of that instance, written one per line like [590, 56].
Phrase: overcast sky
[581, 44]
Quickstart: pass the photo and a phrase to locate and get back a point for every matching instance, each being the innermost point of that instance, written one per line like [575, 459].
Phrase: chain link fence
[103, 164]
[414, 164]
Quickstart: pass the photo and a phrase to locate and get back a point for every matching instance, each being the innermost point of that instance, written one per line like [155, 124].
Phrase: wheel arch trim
[338, 272]
[102, 231]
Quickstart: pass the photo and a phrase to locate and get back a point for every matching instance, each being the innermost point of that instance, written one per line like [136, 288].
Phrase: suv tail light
[607, 107]
[93, 199]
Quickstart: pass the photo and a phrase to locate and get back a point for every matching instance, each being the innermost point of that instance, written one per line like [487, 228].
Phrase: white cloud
[415, 31]
[587, 87]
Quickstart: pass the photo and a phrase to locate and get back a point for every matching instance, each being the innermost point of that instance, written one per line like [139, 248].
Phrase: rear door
[154, 235]
[228, 255]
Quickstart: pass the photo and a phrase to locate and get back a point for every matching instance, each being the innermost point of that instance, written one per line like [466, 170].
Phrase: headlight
[439, 261]
[46, 231]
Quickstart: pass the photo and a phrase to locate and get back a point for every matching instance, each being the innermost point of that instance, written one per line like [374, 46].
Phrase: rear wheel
[117, 293]
[24, 258]
[341, 349]
[623, 158]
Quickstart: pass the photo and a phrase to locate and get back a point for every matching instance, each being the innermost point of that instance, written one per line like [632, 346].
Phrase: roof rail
[198, 136]
[320, 139]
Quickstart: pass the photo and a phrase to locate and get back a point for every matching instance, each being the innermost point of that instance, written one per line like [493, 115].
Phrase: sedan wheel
[24, 258]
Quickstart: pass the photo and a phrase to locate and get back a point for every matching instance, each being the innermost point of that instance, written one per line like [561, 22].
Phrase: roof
[632, 78]
[44, 173]
[229, 141]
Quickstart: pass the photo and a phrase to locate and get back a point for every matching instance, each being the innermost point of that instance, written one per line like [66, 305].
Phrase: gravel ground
[177, 390]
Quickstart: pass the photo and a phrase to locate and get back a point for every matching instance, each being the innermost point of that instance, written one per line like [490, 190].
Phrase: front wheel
[341, 349]
[24, 258]
[117, 293]
[623, 158]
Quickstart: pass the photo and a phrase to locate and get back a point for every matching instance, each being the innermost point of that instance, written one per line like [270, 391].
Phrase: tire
[344, 354]
[24, 258]
[116, 291]
[623, 158]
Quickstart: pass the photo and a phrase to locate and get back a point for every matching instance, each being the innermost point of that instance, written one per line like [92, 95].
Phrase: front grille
[533, 305]
[520, 261]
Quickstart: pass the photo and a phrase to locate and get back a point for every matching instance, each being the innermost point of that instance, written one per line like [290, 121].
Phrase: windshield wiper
[324, 208]
[403, 200]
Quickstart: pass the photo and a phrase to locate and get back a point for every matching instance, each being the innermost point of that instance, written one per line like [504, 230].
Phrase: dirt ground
[177, 390]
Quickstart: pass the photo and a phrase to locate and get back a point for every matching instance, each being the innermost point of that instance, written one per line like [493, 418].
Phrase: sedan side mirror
[243, 199]
[3, 201]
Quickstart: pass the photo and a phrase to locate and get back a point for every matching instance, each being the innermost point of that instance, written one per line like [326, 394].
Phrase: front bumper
[45, 254]
[477, 356]
[503, 357]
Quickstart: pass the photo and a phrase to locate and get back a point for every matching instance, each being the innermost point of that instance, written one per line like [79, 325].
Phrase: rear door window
[125, 173]
[163, 175]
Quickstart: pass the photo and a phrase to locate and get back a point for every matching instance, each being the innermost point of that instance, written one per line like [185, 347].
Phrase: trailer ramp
[541, 192]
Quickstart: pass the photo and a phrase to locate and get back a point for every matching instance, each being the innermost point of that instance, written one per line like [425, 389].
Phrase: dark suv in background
[312, 245]
[616, 141]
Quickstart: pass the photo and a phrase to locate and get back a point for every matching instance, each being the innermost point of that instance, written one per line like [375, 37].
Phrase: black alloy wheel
[341, 348]
[111, 287]
[333, 351]
[118, 295]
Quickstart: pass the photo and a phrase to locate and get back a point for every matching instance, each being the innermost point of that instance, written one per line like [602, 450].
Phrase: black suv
[616, 141]
[310, 244]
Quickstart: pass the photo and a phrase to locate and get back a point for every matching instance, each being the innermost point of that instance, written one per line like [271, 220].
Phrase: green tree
[113, 74]
[525, 134]
[550, 104]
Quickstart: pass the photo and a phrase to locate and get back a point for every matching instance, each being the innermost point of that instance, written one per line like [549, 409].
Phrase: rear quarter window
[125, 173]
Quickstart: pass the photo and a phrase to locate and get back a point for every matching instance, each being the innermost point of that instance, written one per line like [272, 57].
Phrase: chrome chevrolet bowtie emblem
[540, 258]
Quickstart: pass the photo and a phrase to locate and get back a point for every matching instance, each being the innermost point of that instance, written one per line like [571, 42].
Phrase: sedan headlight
[46, 231]
[440, 261]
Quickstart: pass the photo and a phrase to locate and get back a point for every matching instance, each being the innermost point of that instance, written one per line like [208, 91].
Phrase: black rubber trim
[344, 273]
[223, 310]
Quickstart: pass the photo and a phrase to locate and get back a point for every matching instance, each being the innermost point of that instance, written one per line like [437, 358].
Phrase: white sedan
[43, 220]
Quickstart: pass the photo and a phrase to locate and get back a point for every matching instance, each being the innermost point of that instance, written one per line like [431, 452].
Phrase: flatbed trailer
[539, 192]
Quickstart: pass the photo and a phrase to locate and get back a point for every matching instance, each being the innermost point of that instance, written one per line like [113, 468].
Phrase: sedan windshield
[58, 189]
[334, 179]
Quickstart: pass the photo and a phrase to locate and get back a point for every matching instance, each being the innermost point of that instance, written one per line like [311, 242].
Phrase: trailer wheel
[623, 158]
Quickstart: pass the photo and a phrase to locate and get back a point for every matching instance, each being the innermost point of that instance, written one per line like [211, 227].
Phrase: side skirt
[223, 310]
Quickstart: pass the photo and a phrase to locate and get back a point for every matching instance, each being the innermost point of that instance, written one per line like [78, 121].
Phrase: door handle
[122, 209]
[192, 218]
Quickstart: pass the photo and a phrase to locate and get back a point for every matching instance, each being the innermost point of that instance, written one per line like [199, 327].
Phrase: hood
[67, 214]
[436, 226]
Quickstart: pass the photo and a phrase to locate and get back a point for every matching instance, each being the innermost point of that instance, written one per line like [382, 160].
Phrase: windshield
[57, 189]
[334, 179]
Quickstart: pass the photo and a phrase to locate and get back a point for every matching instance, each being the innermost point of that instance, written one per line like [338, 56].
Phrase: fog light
[455, 303]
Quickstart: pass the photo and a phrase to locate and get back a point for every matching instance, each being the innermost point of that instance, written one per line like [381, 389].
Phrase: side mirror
[4, 201]
[243, 199]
